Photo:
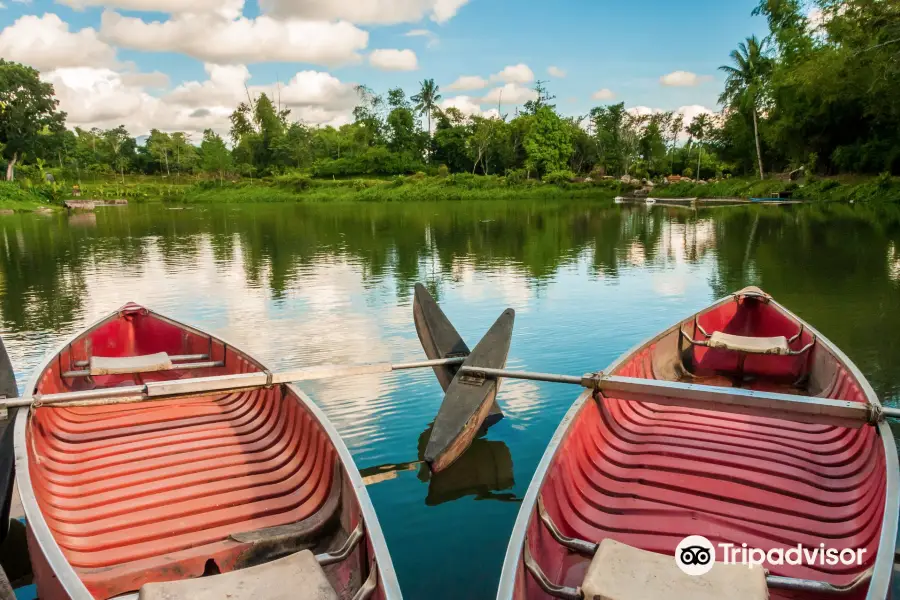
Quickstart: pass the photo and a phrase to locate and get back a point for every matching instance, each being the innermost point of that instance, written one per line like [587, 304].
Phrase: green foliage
[558, 177]
[516, 176]
[14, 197]
[548, 143]
[28, 112]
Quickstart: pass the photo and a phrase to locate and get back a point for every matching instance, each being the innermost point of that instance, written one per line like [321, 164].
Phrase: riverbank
[15, 199]
[415, 188]
[858, 189]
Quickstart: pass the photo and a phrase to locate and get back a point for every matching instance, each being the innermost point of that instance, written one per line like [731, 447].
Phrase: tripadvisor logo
[695, 555]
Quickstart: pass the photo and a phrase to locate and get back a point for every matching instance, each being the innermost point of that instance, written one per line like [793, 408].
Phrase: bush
[516, 176]
[297, 182]
[598, 174]
[559, 177]
[12, 194]
[443, 171]
[688, 172]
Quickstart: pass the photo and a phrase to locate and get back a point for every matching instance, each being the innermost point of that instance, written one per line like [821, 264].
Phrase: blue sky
[624, 48]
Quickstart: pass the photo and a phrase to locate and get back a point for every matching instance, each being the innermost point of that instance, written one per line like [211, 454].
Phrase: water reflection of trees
[836, 264]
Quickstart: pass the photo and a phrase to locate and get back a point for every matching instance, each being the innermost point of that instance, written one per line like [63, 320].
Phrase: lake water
[302, 285]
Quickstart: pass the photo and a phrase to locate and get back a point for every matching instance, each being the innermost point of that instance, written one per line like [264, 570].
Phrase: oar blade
[440, 339]
[9, 389]
[437, 334]
[469, 399]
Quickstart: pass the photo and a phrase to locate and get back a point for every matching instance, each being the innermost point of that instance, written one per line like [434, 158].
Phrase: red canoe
[252, 489]
[645, 475]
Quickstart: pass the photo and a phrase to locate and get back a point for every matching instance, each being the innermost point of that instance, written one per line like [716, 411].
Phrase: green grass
[13, 197]
[868, 189]
[415, 188]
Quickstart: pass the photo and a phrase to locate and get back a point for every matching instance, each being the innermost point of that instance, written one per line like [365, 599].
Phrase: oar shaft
[550, 377]
[803, 409]
[199, 385]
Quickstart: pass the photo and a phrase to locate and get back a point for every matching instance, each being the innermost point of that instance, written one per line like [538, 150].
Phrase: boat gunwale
[59, 564]
[879, 585]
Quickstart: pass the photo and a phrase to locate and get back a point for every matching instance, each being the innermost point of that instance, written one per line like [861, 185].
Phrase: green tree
[215, 156]
[745, 83]
[549, 142]
[27, 111]
[159, 145]
[700, 128]
[427, 99]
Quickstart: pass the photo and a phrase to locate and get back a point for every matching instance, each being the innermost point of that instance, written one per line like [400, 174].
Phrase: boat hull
[649, 475]
[117, 496]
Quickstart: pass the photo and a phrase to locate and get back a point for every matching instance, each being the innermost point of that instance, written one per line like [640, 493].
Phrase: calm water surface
[305, 285]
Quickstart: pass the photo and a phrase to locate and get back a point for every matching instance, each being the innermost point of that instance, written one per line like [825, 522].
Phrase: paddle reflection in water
[484, 471]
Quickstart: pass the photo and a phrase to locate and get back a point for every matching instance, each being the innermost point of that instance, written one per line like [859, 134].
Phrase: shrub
[559, 177]
[297, 182]
[516, 176]
[688, 172]
[443, 171]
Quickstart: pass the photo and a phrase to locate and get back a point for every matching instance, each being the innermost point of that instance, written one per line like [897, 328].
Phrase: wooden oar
[157, 390]
[803, 409]
[8, 390]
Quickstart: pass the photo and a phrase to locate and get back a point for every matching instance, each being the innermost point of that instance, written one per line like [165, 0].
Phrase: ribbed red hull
[157, 491]
[650, 475]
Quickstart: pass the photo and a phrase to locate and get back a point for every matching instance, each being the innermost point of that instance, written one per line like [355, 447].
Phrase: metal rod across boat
[803, 409]
[199, 385]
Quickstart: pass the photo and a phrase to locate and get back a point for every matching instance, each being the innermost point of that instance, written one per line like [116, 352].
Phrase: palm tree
[746, 81]
[426, 100]
[698, 129]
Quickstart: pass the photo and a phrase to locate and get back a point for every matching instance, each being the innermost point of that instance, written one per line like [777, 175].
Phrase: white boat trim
[880, 584]
[57, 561]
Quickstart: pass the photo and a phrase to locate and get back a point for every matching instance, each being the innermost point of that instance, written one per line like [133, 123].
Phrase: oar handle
[156, 390]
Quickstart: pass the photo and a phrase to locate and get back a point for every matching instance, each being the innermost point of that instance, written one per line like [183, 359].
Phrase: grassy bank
[416, 188]
[14, 198]
[871, 189]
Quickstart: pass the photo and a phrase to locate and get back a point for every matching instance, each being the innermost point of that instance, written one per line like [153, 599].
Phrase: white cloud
[380, 12]
[690, 112]
[556, 72]
[229, 9]
[604, 94]
[99, 97]
[465, 104]
[46, 43]
[469, 106]
[212, 38]
[643, 111]
[514, 74]
[149, 80]
[510, 94]
[468, 82]
[684, 79]
[444, 10]
[104, 98]
[431, 36]
[394, 60]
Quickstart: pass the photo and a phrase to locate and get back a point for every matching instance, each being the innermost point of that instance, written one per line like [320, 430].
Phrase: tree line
[819, 92]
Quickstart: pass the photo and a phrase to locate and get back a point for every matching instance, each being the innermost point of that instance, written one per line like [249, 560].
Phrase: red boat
[238, 493]
[627, 478]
